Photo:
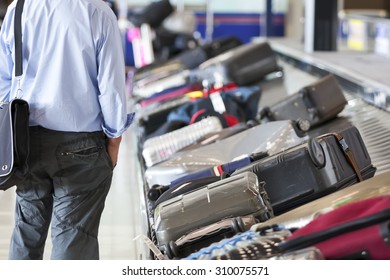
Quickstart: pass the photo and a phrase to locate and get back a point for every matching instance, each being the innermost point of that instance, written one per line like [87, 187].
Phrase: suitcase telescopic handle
[348, 154]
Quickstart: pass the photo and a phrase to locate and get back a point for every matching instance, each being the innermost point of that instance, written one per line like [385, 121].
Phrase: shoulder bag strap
[18, 38]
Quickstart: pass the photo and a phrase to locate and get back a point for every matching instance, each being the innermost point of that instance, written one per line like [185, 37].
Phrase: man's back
[73, 67]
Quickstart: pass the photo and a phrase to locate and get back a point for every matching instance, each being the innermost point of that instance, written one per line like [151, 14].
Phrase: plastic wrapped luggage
[234, 196]
[318, 167]
[195, 180]
[316, 103]
[203, 237]
[160, 148]
[269, 137]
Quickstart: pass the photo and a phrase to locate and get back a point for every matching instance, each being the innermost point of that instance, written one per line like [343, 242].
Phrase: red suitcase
[358, 230]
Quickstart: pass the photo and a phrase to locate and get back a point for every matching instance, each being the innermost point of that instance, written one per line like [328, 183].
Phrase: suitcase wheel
[156, 191]
[303, 125]
[316, 153]
[172, 250]
[265, 113]
[238, 225]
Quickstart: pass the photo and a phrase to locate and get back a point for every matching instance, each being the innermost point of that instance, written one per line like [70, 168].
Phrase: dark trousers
[69, 179]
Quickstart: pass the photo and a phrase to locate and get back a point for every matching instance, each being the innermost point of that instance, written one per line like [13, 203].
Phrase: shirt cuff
[111, 134]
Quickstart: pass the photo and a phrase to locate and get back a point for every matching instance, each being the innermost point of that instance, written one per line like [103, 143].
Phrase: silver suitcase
[270, 137]
[231, 197]
[160, 148]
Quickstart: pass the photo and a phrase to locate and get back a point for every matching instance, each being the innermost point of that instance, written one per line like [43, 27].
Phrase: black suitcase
[188, 59]
[243, 65]
[316, 103]
[193, 58]
[153, 14]
[318, 167]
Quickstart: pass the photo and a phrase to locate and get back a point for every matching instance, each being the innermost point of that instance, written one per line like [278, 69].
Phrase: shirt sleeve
[7, 64]
[111, 80]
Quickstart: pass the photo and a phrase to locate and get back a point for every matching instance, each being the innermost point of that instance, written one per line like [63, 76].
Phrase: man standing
[74, 81]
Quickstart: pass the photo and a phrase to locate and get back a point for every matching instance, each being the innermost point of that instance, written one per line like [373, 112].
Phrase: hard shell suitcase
[270, 137]
[318, 167]
[203, 237]
[162, 147]
[188, 59]
[316, 103]
[200, 178]
[219, 135]
[243, 65]
[234, 196]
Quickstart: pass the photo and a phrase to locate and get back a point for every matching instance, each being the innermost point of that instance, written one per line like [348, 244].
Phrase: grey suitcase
[203, 237]
[313, 169]
[269, 137]
[234, 196]
[316, 103]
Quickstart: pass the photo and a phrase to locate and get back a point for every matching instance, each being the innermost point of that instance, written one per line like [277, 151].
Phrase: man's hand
[113, 149]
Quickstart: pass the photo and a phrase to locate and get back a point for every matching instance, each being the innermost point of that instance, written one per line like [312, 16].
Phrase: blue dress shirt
[73, 64]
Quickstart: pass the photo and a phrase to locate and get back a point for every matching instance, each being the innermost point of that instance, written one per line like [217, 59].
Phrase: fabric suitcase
[318, 167]
[234, 196]
[270, 137]
[358, 230]
[162, 147]
[150, 117]
[316, 103]
[203, 237]
[301, 216]
[231, 106]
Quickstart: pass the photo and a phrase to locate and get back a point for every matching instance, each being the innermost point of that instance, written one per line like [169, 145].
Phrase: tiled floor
[122, 218]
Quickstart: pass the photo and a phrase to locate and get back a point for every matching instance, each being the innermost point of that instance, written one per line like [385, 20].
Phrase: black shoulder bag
[14, 122]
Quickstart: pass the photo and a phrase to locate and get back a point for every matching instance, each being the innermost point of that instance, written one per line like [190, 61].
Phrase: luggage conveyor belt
[372, 122]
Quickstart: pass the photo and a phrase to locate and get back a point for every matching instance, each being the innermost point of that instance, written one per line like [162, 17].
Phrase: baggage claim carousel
[366, 90]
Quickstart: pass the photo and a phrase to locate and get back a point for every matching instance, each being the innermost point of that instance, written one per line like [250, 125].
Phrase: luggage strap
[348, 154]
